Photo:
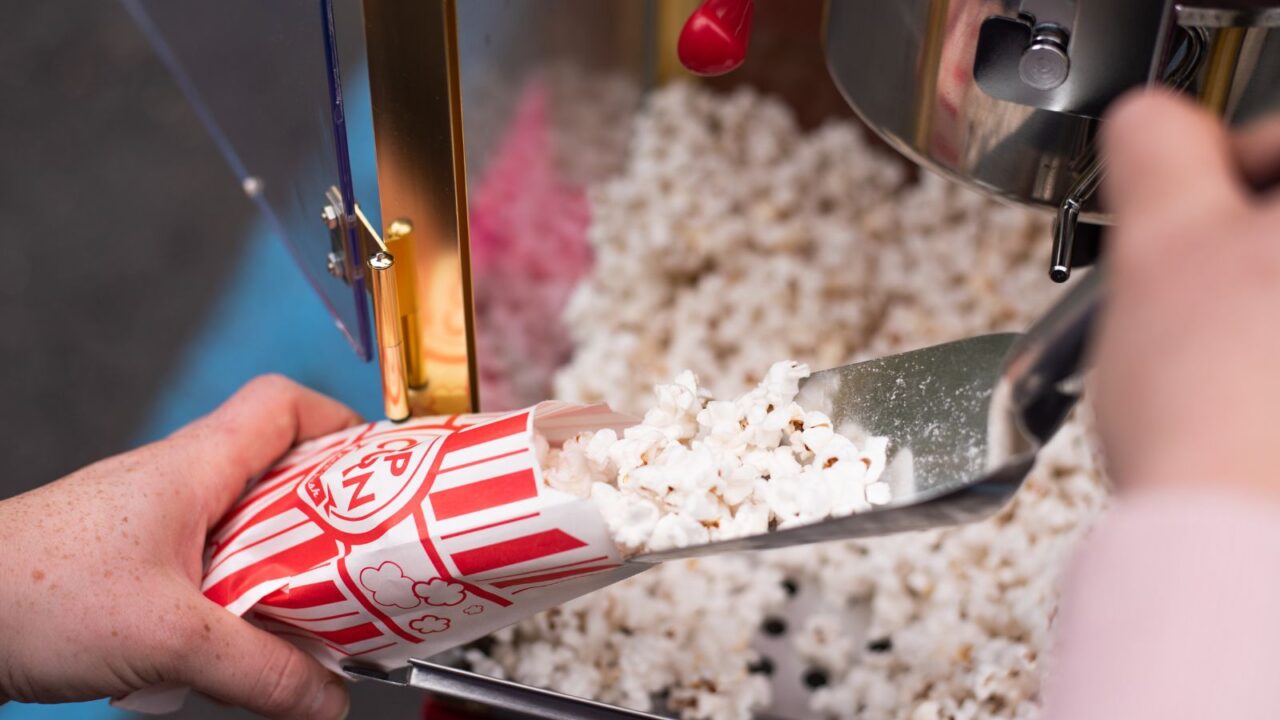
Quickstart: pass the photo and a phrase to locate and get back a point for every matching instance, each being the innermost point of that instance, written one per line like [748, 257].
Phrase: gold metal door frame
[417, 117]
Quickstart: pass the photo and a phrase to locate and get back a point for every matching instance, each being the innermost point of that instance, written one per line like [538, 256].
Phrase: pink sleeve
[1172, 610]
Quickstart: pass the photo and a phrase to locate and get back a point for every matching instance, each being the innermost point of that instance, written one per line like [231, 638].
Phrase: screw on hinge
[330, 216]
[337, 268]
[335, 262]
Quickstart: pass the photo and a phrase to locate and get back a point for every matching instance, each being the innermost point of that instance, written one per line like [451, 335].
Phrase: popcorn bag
[394, 541]
[391, 541]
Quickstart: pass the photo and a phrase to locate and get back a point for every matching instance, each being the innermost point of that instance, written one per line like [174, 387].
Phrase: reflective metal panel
[1004, 95]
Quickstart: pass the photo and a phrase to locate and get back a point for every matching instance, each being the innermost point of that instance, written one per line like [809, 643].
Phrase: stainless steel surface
[1041, 380]
[1067, 235]
[997, 134]
[1229, 13]
[943, 82]
[1065, 225]
[1051, 12]
[1111, 47]
[501, 695]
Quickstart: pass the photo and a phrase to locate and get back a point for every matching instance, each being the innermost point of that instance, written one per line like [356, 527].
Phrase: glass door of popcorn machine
[549, 91]
[488, 240]
[264, 79]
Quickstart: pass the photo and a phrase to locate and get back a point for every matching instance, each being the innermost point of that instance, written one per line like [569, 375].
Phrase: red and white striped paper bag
[389, 541]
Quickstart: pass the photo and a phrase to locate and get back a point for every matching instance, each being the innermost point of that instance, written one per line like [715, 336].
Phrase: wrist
[13, 601]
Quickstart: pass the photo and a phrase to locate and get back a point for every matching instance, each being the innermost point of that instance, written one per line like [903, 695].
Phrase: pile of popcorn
[679, 634]
[732, 239]
[697, 470]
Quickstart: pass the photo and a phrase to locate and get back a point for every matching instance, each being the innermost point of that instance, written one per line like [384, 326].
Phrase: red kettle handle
[715, 37]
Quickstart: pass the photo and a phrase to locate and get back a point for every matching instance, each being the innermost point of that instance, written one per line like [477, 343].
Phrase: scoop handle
[1045, 368]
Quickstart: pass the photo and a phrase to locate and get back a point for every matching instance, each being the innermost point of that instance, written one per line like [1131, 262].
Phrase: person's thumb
[1167, 159]
[242, 665]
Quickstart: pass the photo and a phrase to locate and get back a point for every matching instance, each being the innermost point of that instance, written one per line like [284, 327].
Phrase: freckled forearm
[11, 604]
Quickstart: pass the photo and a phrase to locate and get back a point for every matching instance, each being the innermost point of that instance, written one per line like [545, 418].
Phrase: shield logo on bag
[365, 488]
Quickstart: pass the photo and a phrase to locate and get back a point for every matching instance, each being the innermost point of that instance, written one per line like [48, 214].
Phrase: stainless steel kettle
[1006, 95]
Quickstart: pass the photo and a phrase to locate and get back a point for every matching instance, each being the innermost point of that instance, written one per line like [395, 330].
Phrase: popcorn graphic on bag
[390, 586]
[428, 624]
[438, 591]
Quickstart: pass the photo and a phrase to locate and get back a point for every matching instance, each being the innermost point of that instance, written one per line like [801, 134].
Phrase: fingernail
[334, 702]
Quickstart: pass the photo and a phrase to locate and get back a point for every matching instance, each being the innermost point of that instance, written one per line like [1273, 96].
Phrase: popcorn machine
[451, 261]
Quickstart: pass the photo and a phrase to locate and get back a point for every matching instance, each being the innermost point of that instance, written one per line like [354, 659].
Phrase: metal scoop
[965, 420]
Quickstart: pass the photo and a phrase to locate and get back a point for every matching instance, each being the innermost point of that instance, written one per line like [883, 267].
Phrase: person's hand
[101, 569]
[1188, 355]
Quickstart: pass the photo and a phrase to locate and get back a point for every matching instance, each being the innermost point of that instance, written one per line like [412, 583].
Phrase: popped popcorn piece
[632, 519]
[569, 468]
[750, 518]
[879, 493]
[687, 468]
[677, 530]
